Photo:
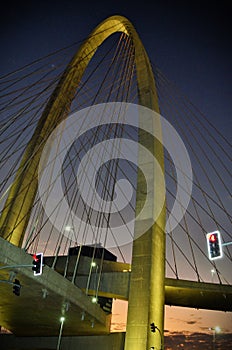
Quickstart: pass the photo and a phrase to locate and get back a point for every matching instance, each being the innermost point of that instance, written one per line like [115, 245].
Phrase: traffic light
[16, 287]
[214, 245]
[37, 264]
[153, 327]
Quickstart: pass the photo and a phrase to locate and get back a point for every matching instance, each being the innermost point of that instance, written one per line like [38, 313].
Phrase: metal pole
[214, 339]
[228, 243]
[60, 334]
[15, 266]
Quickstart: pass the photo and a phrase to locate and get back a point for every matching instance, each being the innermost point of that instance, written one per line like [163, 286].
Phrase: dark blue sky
[189, 41]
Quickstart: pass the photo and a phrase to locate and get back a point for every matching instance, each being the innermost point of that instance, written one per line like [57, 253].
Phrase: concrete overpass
[115, 280]
[45, 298]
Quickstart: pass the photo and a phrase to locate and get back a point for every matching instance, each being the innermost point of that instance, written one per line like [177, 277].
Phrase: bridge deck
[34, 314]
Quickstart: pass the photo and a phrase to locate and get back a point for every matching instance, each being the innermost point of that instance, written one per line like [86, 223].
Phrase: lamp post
[212, 274]
[70, 230]
[215, 330]
[62, 319]
[95, 266]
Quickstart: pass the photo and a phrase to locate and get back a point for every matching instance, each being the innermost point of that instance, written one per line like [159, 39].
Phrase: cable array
[111, 76]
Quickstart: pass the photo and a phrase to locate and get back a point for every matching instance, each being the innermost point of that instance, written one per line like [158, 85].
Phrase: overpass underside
[44, 299]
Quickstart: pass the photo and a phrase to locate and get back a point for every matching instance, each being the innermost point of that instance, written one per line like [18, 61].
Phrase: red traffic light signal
[37, 264]
[214, 245]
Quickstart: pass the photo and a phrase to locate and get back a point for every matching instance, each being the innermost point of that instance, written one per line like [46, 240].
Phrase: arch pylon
[146, 297]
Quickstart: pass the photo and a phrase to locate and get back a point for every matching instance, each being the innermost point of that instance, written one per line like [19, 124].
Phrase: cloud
[197, 341]
[118, 327]
[191, 322]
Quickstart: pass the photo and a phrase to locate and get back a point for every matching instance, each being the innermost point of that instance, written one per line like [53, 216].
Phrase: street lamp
[82, 316]
[212, 274]
[95, 266]
[94, 300]
[215, 330]
[62, 319]
[70, 232]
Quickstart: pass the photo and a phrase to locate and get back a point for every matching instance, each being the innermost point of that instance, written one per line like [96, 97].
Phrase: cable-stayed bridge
[156, 182]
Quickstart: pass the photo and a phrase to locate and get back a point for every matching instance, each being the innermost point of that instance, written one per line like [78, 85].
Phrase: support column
[146, 299]
[147, 294]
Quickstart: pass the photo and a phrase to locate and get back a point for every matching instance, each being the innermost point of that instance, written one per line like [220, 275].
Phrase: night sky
[189, 41]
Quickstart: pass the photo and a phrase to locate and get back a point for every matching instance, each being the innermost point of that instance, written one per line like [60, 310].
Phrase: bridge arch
[18, 206]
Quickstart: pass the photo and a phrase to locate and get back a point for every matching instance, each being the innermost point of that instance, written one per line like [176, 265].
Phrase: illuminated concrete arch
[146, 300]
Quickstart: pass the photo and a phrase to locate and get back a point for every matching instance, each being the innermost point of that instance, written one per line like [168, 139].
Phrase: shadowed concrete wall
[113, 341]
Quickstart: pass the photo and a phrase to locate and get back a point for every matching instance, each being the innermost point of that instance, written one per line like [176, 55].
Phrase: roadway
[44, 299]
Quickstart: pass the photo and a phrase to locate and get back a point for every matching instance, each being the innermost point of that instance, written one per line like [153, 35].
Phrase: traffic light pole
[14, 266]
[16, 285]
[227, 243]
[9, 282]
